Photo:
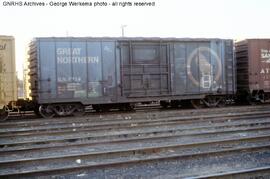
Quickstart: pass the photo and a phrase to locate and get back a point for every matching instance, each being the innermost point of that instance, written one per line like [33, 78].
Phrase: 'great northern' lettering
[81, 60]
[73, 55]
[68, 51]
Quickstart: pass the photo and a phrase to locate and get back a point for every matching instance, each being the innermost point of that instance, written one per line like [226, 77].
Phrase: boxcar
[68, 73]
[253, 70]
[8, 82]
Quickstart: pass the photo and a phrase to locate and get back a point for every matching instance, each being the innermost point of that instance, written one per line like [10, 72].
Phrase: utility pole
[123, 30]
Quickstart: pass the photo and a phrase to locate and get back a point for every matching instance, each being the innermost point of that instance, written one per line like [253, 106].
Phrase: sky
[233, 19]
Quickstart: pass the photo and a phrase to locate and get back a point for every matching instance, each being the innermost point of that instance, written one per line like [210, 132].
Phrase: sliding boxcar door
[144, 68]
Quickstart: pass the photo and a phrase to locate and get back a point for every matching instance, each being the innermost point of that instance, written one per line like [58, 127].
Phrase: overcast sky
[237, 19]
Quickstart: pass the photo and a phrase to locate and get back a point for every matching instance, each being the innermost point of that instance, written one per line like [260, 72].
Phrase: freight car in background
[8, 82]
[253, 70]
[68, 73]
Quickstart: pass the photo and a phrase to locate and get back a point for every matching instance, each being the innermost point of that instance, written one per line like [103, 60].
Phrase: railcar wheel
[46, 111]
[4, 113]
[197, 103]
[96, 107]
[164, 104]
[105, 108]
[221, 103]
[60, 110]
[36, 111]
[252, 101]
[79, 110]
[185, 104]
[130, 107]
[175, 103]
[124, 107]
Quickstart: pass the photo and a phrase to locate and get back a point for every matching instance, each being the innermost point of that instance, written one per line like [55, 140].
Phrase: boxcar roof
[128, 38]
[6, 37]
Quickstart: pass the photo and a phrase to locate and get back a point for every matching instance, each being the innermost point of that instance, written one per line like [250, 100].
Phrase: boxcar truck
[8, 82]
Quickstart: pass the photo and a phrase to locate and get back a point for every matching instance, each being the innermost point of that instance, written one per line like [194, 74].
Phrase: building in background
[20, 88]
[26, 77]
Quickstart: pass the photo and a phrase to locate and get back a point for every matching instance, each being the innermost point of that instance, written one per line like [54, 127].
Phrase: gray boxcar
[99, 71]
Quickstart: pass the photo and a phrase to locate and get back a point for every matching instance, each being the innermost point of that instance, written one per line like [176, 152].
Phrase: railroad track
[77, 126]
[141, 110]
[206, 144]
[260, 172]
[22, 124]
[15, 116]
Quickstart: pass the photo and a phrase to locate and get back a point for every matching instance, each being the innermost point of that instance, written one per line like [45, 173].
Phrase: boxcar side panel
[229, 77]
[193, 81]
[77, 70]
[217, 66]
[8, 81]
[108, 70]
[94, 70]
[69, 82]
[242, 63]
[259, 62]
[253, 65]
[203, 67]
[47, 70]
[180, 68]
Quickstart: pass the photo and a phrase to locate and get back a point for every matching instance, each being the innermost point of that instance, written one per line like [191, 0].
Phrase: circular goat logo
[204, 66]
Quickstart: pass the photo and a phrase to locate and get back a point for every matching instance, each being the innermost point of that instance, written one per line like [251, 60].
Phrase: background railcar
[68, 73]
[8, 79]
[253, 70]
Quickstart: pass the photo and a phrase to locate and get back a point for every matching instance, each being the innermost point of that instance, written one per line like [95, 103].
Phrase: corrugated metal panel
[71, 69]
[253, 64]
[241, 54]
[33, 69]
[8, 82]
[203, 67]
[229, 67]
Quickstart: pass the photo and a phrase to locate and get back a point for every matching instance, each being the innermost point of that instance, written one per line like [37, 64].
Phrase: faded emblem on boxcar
[207, 76]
